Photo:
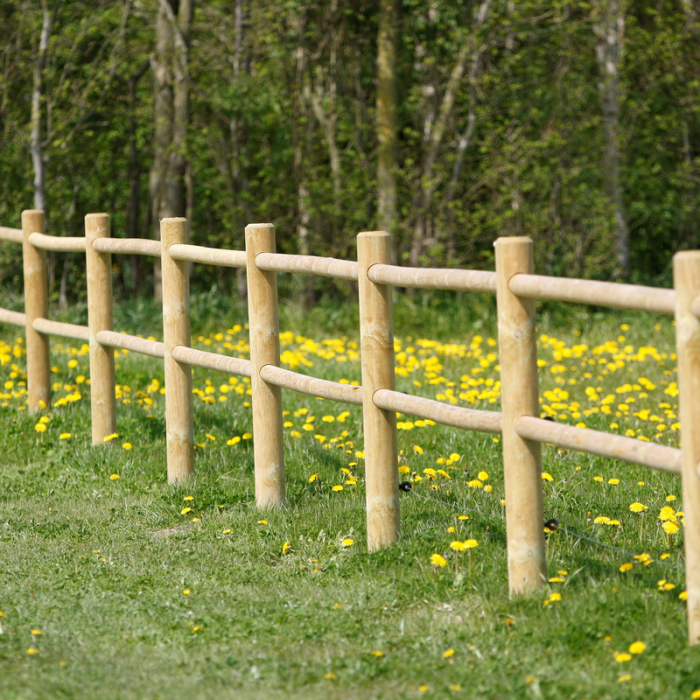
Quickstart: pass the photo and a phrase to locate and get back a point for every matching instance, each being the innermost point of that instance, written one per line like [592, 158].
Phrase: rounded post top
[512, 240]
[374, 234]
[96, 215]
[687, 256]
[255, 227]
[32, 212]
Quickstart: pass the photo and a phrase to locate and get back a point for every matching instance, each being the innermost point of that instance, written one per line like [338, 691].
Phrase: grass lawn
[115, 585]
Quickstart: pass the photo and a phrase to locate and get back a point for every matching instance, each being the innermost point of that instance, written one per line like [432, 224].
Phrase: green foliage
[534, 165]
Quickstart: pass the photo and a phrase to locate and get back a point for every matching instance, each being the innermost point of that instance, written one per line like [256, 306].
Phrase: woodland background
[448, 123]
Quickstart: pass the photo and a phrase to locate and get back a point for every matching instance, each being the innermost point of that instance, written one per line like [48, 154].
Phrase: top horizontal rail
[310, 264]
[133, 246]
[648, 454]
[58, 244]
[208, 256]
[14, 235]
[433, 278]
[14, 318]
[320, 388]
[455, 416]
[612, 294]
[133, 343]
[65, 330]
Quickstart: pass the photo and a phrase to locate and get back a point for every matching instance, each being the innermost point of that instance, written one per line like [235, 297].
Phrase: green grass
[99, 565]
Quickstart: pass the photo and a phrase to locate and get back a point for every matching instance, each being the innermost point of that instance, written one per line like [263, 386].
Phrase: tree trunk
[387, 121]
[171, 112]
[609, 32]
[434, 135]
[38, 160]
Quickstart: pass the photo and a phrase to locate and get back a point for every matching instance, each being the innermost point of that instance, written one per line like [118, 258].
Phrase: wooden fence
[516, 287]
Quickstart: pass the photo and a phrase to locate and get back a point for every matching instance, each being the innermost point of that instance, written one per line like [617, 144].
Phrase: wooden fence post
[522, 461]
[36, 305]
[263, 321]
[686, 280]
[377, 352]
[103, 404]
[176, 331]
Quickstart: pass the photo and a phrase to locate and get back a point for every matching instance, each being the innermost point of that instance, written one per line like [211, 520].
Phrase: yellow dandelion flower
[286, 547]
[227, 532]
[262, 522]
[482, 476]
[347, 542]
[683, 595]
[378, 654]
[32, 650]
[637, 648]
[185, 511]
[186, 591]
[621, 657]
[448, 653]
[626, 567]
[337, 487]
[458, 546]
[614, 482]
[40, 427]
[669, 527]
[36, 631]
[64, 436]
[438, 560]
[470, 544]
[624, 677]
[638, 507]
[313, 478]
[126, 445]
[546, 476]
[598, 478]
[331, 676]
[671, 497]
[114, 477]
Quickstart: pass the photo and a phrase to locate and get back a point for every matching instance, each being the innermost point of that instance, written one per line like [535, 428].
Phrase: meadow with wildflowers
[115, 585]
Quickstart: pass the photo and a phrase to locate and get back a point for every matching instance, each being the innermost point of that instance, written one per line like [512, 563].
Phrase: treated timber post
[263, 321]
[36, 305]
[377, 352]
[103, 404]
[176, 331]
[686, 280]
[522, 463]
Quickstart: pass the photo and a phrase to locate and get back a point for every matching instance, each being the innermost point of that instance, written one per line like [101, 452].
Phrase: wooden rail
[131, 342]
[648, 454]
[13, 235]
[207, 256]
[58, 244]
[133, 246]
[516, 288]
[611, 294]
[321, 388]
[13, 318]
[454, 416]
[65, 330]
[309, 264]
[211, 360]
[427, 278]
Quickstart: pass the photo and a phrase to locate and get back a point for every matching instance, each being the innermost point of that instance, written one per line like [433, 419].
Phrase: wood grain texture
[522, 464]
[103, 404]
[377, 356]
[263, 323]
[178, 375]
[686, 280]
[36, 305]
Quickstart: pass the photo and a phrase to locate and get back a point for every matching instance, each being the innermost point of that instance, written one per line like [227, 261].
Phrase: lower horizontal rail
[648, 454]
[455, 416]
[113, 339]
[611, 294]
[433, 278]
[133, 246]
[59, 244]
[14, 235]
[309, 264]
[320, 388]
[208, 256]
[14, 318]
[65, 330]
[211, 360]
